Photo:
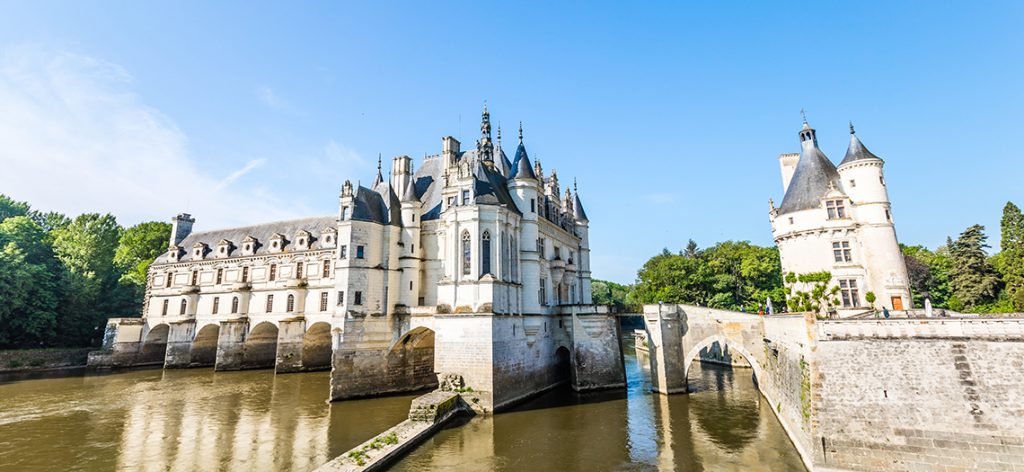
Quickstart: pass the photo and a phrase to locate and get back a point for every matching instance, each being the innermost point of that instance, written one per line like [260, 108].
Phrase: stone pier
[179, 344]
[291, 333]
[231, 344]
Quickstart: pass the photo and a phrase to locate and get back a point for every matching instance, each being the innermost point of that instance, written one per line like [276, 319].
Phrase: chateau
[487, 243]
[839, 220]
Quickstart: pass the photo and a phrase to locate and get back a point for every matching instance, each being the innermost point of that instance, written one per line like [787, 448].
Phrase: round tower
[863, 180]
[525, 189]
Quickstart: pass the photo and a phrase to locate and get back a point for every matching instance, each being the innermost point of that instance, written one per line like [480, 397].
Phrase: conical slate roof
[578, 206]
[521, 167]
[409, 195]
[857, 151]
[814, 176]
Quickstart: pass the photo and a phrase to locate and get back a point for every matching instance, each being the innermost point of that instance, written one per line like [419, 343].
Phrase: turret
[862, 175]
[181, 227]
[583, 231]
[525, 189]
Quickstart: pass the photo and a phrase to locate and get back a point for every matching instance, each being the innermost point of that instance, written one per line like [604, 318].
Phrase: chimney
[181, 227]
[449, 150]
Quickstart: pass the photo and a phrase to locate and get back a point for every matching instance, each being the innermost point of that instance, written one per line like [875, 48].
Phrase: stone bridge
[504, 358]
[885, 395]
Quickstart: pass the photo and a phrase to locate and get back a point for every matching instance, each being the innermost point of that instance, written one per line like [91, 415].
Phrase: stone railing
[921, 328]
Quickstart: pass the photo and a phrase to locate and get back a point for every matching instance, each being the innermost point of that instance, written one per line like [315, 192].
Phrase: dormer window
[224, 248]
[328, 237]
[174, 253]
[277, 243]
[199, 250]
[836, 209]
[303, 239]
[249, 245]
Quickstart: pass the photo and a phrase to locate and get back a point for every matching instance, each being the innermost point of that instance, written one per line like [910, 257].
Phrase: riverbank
[39, 360]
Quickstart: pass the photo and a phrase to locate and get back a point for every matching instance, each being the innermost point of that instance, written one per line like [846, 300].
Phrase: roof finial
[378, 162]
[520, 131]
[575, 189]
[804, 114]
[499, 132]
[851, 128]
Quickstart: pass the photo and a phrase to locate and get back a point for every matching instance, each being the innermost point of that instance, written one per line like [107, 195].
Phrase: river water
[254, 421]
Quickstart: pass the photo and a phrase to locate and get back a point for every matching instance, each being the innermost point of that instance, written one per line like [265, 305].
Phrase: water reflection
[183, 420]
[721, 425]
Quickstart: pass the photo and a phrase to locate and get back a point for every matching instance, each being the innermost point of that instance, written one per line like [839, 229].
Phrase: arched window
[291, 303]
[184, 305]
[485, 253]
[467, 251]
[234, 305]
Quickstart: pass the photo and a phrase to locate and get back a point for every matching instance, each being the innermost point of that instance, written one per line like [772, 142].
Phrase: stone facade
[839, 220]
[464, 266]
[871, 395]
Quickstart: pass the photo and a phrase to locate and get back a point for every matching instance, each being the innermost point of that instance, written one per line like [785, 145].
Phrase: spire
[409, 194]
[380, 177]
[577, 204]
[521, 167]
[857, 151]
[484, 145]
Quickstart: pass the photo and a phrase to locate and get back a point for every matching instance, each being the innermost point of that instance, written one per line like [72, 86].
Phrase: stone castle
[839, 220]
[479, 259]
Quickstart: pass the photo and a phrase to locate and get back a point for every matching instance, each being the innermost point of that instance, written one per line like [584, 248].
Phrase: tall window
[485, 253]
[543, 293]
[360, 252]
[467, 251]
[290, 306]
[220, 276]
[298, 270]
[184, 306]
[170, 278]
[465, 197]
[234, 305]
[358, 298]
[344, 213]
[270, 303]
[343, 252]
[504, 255]
[166, 303]
[841, 251]
[323, 301]
[835, 209]
[195, 277]
[341, 297]
[848, 292]
[245, 274]
[216, 304]
[273, 272]
[514, 255]
[327, 269]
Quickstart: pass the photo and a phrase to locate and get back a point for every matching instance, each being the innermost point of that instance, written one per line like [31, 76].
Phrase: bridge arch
[261, 346]
[203, 351]
[724, 342]
[316, 347]
[412, 357]
[154, 346]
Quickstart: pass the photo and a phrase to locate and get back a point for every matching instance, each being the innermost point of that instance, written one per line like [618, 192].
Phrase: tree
[1010, 261]
[973, 279]
[86, 247]
[929, 274]
[29, 284]
[138, 247]
[9, 207]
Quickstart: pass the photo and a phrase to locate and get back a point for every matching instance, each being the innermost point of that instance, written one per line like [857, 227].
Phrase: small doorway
[897, 303]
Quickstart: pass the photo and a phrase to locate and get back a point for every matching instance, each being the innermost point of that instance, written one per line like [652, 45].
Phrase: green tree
[29, 285]
[1010, 260]
[973, 279]
[929, 274]
[138, 247]
[610, 293]
[9, 207]
[86, 248]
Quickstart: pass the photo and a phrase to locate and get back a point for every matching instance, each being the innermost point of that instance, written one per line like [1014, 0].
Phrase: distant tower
[838, 220]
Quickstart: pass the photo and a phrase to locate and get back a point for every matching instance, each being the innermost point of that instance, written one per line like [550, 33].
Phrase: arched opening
[316, 347]
[412, 359]
[563, 365]
[721, 378]
[261, 347]
[155, 346]
[204, 347]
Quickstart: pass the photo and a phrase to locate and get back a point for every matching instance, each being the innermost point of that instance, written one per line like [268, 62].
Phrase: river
[194, 419]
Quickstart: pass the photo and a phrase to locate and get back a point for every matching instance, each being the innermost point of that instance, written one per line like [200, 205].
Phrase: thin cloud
[249, 166]
[77, 138]
[268, 97]
[661, 198]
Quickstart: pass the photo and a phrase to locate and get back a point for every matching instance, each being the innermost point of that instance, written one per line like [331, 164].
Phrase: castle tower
[410, 257]
[863, 179]
[583, 231]
[525, 188]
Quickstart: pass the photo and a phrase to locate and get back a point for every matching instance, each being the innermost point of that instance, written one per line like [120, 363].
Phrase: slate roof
[811, 180]
[263, 233]
[857, 151]
[521, 167]
[578, 205]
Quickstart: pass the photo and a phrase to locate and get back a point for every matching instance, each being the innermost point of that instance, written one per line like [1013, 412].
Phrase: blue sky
[670, 115]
